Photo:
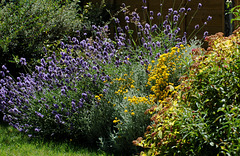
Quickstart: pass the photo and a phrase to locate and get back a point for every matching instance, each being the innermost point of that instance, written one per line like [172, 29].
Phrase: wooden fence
[214, 8]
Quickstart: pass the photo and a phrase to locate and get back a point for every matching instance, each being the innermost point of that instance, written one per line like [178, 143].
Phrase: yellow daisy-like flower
[132, 113]
[126, 111]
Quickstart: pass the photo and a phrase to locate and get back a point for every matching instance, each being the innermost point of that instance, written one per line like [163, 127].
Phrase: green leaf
[160, 134]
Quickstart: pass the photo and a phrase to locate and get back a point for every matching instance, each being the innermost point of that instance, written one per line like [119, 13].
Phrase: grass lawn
[14, 143]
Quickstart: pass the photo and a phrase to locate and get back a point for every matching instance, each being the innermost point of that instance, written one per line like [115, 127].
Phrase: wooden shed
[215, 8]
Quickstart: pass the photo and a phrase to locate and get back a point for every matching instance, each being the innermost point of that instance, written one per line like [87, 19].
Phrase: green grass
[14, 143]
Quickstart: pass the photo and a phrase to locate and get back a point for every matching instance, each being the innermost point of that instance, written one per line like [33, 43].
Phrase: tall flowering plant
[56, 99]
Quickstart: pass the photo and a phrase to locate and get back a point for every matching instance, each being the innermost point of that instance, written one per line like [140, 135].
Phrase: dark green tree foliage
[26, 25]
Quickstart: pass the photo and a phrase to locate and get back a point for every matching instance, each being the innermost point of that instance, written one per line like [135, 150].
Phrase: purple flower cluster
[57, 93]
[169, 31]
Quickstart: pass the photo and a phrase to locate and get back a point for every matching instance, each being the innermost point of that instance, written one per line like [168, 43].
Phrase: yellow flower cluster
[98, 97]
[125, 84]
[160, 74]
[116, 120]
[137, 100]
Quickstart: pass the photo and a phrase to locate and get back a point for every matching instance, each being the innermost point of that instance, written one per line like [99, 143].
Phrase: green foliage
[128, 98]
[202, 117]
[235, 11]
[26, 25]
[162, 135]
[212, 91]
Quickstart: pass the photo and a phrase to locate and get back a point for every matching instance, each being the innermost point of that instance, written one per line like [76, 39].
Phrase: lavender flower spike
[199, 5]
[23, 61]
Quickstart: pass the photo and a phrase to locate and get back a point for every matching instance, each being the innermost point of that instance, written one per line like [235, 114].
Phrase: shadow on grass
[11, 138]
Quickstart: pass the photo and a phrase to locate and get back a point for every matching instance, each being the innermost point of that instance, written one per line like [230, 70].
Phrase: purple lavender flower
[147, 26]
[84, 95]
[2, 74]
[197, 26]
[78, 33]
[44, 49]
[39, 114]
[209, 18]
[166, 17]
[175, 18]
[116, 20]
[158, 44]
[168, 27]
[145, 45]
[199, 5]
[4, 67]
[205, 34]
[57, 117]
[37, 129]
[157, 55]
[47, 106]
[151, 13]
[55, 106]
[165, 23]
[127, 19]
[23, 61]
[182, 10]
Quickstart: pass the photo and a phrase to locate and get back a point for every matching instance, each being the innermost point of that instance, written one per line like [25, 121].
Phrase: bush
[202, 117]
[26, 25]
[57, 100]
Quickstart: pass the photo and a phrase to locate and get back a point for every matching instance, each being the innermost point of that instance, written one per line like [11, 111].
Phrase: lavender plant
[57, 99]
[155, 38]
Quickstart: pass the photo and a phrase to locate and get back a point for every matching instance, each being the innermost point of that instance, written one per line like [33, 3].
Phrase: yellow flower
[126, 111]
[132, 113]
[115, 121]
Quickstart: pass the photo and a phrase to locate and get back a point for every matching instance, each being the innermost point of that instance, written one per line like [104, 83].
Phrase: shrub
[202, 117]
[129, 98]
[57, 99]
[26, 25]
[162, 133]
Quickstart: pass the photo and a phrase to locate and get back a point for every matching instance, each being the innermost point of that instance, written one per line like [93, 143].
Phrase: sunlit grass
[14, 143]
